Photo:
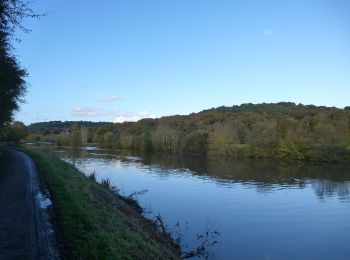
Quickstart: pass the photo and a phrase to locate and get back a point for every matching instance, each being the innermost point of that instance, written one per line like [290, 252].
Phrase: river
[263, 209]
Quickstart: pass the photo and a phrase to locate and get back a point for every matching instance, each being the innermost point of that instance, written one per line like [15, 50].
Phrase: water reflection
[264, 209]
[265, 175]
[324, 188]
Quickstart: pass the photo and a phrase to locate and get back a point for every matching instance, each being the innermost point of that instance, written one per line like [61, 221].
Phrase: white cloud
[110, 99]
[119, 117]
[132, 117]
[268, 34]
[92, 112]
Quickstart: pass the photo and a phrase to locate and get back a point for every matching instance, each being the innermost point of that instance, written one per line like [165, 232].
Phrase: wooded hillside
[283, 130]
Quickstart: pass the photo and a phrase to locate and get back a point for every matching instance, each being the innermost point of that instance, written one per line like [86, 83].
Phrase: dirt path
[25, 228]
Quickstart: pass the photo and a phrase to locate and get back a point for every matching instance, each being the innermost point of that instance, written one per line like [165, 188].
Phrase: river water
[263, 209]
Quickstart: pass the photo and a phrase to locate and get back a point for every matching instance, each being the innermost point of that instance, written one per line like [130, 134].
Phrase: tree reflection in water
[265, 175]
[326, 179]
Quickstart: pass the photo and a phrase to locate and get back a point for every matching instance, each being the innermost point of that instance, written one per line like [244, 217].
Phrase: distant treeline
[56, 127]
[282, 130]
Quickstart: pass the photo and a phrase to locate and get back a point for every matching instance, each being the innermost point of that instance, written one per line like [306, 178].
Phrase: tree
[13, 132]
[12, 12]
[222, 138]
[167, 139]
[75, 137]
[12, 83]
[195, 142]
[147, 141]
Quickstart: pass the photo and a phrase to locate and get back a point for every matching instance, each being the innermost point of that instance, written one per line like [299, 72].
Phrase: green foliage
[11, 81]
[222, 139]
[282, 130]
[63, 139]
[167, 138]
[12, 76]
[56, 127]
[13, 132]
[147, 143]
[75, 137]
[195, 142]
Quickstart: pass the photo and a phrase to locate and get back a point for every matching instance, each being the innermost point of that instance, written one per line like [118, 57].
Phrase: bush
[195, 142]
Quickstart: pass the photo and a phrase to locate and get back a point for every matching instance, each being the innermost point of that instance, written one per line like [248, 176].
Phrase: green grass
[94, 222]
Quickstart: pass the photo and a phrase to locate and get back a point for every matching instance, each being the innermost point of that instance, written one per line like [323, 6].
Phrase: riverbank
[246, 199]
[288, 151]
[96, 223]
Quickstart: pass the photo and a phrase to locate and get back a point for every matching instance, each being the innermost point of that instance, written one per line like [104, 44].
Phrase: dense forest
[283, 130]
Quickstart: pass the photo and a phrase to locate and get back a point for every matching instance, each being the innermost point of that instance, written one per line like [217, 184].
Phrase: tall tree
[12, 84]
[12, 76]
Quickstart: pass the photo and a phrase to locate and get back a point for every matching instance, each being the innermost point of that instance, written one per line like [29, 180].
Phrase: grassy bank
[94, 222]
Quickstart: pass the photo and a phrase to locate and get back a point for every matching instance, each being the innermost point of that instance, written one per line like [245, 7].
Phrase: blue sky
[124, 60]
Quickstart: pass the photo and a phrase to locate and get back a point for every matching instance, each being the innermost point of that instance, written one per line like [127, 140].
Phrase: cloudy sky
[118, 60]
